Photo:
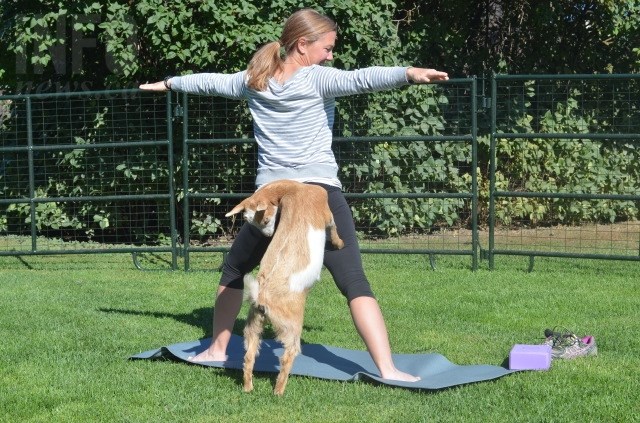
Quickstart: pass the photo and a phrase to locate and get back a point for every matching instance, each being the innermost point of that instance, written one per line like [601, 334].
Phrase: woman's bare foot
[396, 374]
[207, 355]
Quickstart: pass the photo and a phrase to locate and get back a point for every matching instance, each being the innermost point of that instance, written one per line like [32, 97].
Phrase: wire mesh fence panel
[567, 166]
[407, 168]
[597, 240]
[219, 159]
[84, 172]
[568, 104]
[406, 163]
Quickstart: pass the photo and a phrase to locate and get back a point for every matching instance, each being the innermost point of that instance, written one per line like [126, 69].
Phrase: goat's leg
[288, 326]
[291, 350]
[335, 239]
[252, 332]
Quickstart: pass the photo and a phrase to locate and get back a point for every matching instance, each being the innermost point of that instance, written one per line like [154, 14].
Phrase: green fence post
[172, 195]
[32, 178]
[492, 170]
[185, 181]
[474, 174]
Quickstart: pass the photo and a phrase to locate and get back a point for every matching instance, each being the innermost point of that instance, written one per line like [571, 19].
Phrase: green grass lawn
[69, 323]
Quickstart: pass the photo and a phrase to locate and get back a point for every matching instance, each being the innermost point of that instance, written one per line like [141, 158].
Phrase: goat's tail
[251, 288]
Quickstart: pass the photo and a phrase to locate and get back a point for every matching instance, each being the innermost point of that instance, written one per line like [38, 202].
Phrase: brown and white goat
[289, 267]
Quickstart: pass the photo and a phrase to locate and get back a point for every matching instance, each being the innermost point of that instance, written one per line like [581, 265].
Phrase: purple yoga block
[530, 357]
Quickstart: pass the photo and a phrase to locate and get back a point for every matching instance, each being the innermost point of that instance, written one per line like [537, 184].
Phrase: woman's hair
[266, 62]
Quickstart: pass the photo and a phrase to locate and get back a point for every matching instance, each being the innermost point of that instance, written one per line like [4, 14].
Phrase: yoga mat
[327, 362]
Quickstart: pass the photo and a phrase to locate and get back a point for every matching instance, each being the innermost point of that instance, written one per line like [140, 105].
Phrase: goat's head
[261, 214]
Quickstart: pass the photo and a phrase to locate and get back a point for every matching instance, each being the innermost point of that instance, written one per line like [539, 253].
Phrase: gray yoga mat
[335, 363]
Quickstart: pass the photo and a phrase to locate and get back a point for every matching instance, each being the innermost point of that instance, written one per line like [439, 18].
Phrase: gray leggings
[345, 264]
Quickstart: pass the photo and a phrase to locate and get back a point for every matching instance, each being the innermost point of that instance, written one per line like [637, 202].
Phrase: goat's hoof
[248, 387]
[278, 389]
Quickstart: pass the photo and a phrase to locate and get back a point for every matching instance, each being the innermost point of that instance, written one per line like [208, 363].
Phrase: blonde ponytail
[265, 63]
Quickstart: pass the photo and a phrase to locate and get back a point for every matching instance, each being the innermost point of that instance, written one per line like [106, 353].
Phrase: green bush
[149, 39]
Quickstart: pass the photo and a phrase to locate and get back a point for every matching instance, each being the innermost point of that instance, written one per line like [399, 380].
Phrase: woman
[292, 101]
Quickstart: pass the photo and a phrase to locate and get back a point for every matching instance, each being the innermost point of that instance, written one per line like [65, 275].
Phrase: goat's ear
[261, 206]
[235, 210]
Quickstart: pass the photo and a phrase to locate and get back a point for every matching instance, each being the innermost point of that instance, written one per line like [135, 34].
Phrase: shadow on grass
[24, 262]
[200, 318]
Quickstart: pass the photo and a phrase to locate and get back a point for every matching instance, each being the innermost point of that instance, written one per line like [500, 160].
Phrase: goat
[288, 269]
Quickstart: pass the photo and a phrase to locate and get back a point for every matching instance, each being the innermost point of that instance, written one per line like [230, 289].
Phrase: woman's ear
[301, 45]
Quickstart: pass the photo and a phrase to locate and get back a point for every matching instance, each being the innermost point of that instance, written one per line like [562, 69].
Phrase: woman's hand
[424, 76]
[156, 86]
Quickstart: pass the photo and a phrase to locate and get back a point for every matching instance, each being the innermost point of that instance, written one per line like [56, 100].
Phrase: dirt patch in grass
[612, 239]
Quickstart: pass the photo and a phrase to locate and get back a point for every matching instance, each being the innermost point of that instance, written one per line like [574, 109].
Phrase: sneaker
[567, 345]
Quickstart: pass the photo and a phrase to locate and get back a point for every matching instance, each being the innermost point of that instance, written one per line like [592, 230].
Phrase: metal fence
[86, 173]
[566, 146]
[136, 172]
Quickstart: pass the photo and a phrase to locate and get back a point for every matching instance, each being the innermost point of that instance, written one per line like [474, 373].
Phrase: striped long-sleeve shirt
[293, 122]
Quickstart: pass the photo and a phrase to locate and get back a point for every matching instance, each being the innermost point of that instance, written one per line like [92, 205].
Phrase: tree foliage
[120, 43]
[524, 36]
[53, 46]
